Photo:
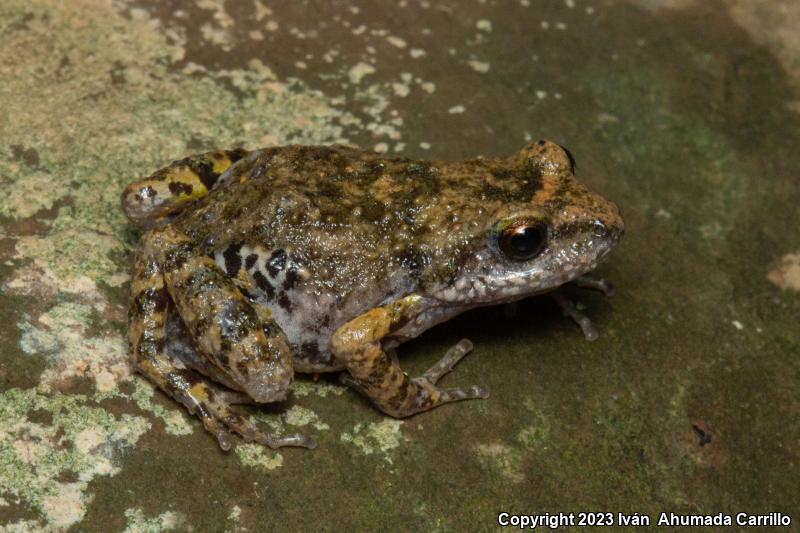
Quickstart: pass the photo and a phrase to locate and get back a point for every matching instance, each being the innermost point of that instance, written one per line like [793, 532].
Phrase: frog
[313, 259]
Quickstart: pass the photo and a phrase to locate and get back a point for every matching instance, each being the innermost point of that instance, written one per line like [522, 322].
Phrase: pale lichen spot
[138, 522]
[400, 89]
[378, 438]
[786, 273]
[484, 25]
[60, 335]
[501, 459]
[84, 442]
[456, 109]
[428, 86]
[479, 66]
[30, 193]
[359, 71]
[396, 41]
[302, 416]
[258, 456]
[321, 389]
[536, 434]
[234, 518]
[417, 53]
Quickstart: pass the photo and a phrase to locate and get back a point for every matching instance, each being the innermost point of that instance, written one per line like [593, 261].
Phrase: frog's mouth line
[506, 282]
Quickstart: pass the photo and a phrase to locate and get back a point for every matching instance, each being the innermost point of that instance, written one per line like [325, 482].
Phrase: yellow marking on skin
[139, 284]
[199, 392]
[189, 177]
[220, 163]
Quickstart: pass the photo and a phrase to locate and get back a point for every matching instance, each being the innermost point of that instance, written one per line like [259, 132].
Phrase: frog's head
[534, 243]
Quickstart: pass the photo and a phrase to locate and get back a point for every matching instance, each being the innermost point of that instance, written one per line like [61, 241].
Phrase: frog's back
[316, 235]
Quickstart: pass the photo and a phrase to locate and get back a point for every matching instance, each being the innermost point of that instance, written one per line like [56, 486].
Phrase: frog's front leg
[571, 310]
[251, 350]
[376, 374]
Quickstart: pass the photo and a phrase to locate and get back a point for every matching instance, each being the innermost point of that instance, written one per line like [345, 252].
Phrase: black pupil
[527, 240]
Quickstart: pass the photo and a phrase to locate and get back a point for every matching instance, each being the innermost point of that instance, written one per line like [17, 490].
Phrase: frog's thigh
[251, 350]
[146, 334]
[357, 345]
[168, 190]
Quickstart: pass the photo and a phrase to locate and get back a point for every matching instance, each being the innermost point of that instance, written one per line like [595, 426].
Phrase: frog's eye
[523, 241]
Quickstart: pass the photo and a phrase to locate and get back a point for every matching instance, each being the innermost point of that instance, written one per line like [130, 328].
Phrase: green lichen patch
[501, 459]
[302, 416]
[61, 335]
[378, 438]
[138, 522]
[48, 466]
[321, 389]
[535, 436]
[258, 456]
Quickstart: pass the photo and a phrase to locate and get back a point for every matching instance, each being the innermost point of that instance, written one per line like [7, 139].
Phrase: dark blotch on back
[285, 303]
[205, 171]
[264, 284]
[249, 261]
[178, 188]
[291, 278]
[233, 261]
[276, 262]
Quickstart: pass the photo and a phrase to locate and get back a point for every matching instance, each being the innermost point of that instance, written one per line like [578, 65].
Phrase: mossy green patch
[137, 522]
[258, 456]
[79, 441]
[375, 438]
[502, 459]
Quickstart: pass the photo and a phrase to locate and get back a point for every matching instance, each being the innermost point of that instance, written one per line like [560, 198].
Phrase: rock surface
[685, 113]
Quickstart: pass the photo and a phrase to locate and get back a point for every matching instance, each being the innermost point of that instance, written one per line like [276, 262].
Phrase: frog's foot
[377, 375]
[220, 419]
[571, 310]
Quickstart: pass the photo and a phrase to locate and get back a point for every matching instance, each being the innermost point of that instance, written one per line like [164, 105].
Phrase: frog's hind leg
[376, 374]
[147, 332]
[152, 202]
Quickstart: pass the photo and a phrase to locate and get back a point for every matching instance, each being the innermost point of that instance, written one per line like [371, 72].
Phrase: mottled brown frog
[322, 258]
